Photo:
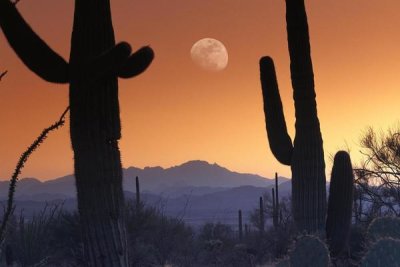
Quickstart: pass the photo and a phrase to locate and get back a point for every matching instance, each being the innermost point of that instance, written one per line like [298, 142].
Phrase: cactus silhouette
[240, 223]
[137, 192]
[306, 154]
[340, 203]
[275, 203]
[261, 216]
[92, 71]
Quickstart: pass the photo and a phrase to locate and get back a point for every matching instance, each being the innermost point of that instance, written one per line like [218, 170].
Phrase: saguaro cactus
[240, 226]
[306, 154]
[274, 210]
[340, 203]
[137, 193]
[261, 216]
[94, 65]
[275, 203]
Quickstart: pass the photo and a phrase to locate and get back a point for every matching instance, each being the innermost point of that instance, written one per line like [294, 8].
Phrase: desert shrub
[65, 238]
[156, 239]
[29, 240]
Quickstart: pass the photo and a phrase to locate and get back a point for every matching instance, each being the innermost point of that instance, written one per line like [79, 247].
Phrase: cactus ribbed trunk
[100, 203]
[338, 221]
[306, 155]
[95, 131]
[308, 165]
[308, 186]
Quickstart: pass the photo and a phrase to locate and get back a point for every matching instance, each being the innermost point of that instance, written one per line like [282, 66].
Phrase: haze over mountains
[194, 177]
[198, 189]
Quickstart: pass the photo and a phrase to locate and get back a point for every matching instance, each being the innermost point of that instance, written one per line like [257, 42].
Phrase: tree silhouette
[378, 176]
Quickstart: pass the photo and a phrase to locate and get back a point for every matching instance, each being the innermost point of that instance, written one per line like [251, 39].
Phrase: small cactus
[384, 253]
[309, 251]
[384, 227]
[262, 220]
[277, 210]
[340, 203]
[137, 192]
[240, 219]
[275, 203]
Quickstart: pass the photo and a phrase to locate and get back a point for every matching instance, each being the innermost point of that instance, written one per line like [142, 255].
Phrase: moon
[210, 54]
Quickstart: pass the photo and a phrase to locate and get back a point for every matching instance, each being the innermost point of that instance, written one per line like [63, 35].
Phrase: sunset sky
[176, 111]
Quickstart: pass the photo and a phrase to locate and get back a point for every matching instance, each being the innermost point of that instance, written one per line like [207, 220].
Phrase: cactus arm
[278, 137]
[301, 68]
[108, 63]
[137, 63]
[30, 48]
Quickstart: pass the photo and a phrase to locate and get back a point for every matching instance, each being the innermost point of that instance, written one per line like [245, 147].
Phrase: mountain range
[193, 177]
[196, 191]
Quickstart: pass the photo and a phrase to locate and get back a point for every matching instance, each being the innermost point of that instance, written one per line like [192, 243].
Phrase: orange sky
[176, 112]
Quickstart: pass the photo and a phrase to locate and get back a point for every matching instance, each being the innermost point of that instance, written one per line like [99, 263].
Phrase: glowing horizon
[176, 112]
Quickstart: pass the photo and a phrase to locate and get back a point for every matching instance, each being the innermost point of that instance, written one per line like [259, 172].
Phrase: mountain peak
[197, 164]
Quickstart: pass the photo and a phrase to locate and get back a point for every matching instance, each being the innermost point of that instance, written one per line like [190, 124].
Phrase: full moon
[210, 54]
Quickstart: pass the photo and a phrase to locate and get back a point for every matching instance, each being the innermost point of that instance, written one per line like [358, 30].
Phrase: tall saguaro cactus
[94, 65]
[306, 154]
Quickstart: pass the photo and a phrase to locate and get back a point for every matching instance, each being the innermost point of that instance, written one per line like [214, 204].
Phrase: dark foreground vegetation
[53, 237]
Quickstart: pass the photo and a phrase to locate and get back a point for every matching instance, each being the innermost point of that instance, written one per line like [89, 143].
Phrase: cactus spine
[338, 220]
[92, 71]
[305, 155]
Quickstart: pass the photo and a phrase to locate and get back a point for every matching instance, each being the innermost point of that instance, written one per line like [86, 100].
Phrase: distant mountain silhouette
[193, 177]
[221, 206]
[191, 174]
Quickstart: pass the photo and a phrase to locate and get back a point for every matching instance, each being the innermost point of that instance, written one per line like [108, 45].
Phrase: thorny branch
[24, 157]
